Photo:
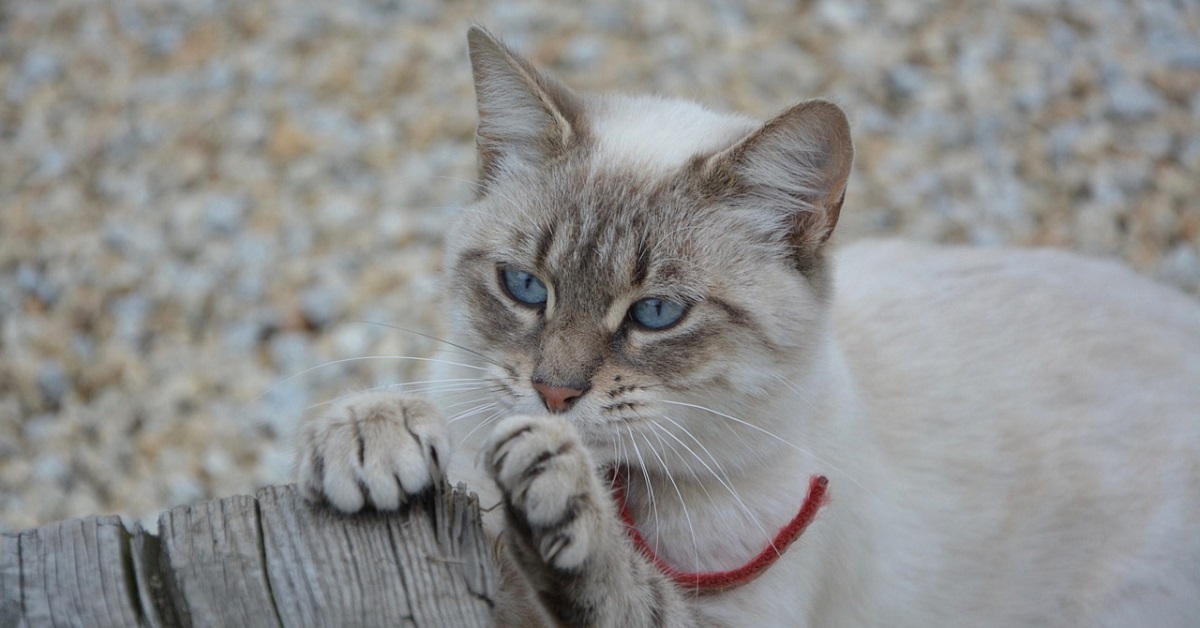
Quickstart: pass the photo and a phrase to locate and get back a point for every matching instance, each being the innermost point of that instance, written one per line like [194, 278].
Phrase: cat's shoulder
[886, 257]
[936, 293]
[895, 268]
[1028, 332]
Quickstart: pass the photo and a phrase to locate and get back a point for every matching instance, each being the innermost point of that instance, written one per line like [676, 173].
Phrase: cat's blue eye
[524, 287]
[656, 313]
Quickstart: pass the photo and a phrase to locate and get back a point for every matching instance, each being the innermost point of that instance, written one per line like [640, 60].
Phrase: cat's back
[1040, 411]
[1010, 306]
[1036, 332]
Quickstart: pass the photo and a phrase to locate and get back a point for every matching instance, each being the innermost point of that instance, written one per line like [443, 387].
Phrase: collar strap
[717, 581]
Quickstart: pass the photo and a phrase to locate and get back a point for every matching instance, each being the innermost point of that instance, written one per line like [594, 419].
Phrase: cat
[692, 412]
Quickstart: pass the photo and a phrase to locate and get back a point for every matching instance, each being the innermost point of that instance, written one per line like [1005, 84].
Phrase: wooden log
[270, 560]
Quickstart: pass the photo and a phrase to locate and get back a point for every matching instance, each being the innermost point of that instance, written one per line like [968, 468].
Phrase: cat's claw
[372, 450]
[549, 487]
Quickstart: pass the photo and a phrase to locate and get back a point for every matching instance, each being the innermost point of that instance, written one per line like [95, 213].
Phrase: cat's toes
[375, 450]
[549, 487]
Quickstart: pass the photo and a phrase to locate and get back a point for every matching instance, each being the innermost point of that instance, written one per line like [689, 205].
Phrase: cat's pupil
[524, 287]
[656, 313]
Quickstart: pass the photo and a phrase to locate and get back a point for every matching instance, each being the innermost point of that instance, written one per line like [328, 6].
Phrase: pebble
[321, 306]
[1130, 99]
[130, 314]
[53, 382]
[198, 197]
[224, 214]
[40, 66]
[290, 352]
[49, 468]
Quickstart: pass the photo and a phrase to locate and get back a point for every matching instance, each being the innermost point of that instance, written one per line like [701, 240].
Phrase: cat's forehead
[625, 211]
[604, 234]
[655, 134]
[597, 217]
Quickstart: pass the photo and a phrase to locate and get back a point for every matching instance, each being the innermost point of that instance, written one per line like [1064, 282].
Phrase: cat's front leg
[565, 535]
[372, 450]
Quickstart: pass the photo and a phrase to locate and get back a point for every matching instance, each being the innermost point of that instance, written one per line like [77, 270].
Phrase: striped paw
[373, 450]
[550, 490]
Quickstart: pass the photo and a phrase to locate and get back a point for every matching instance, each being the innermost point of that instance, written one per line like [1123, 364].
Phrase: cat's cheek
[493, 319]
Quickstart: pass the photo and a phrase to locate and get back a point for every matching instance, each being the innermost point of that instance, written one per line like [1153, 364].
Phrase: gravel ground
[202, 200]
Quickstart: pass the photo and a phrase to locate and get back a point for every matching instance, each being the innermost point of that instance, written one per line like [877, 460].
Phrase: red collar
[716, 581]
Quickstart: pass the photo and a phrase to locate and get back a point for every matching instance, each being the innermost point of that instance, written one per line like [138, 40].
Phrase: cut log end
[268, 560]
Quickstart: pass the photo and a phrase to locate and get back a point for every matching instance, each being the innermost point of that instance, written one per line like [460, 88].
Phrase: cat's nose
[557, 398]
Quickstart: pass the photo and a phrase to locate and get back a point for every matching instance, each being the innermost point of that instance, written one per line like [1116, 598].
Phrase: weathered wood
[153, 584]
[273, 560]
[70, 573]
[215, 552]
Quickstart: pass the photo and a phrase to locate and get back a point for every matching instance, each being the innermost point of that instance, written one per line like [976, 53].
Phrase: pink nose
[557, 398]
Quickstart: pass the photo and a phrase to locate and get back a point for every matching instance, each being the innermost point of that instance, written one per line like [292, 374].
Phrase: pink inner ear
[796, 166]
[814, 227]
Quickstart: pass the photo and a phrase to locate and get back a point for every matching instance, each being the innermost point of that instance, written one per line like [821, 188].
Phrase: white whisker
[724, 481]
[464, 402]
[656, 429]
[649, 485]
[469, 350]
[792, 386]
[612, 479]
[438, 381]
[451, 390]
[487, 421]
[623, 457]
[360, 358]
[471, 411]
[834, 468]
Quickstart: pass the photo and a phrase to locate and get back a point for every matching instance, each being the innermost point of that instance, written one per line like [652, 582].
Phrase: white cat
[645, 318]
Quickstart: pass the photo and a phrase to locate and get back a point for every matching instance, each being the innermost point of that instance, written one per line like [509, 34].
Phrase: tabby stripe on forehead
[545, 239]
[641, 264]
[588, 233]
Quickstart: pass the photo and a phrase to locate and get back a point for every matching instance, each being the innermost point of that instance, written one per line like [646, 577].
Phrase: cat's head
[629, 254]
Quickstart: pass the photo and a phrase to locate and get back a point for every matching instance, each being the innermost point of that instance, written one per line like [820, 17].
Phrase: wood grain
[265, 561]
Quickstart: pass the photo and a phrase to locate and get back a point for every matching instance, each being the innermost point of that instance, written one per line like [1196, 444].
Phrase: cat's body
[1038, 440]
[1010, 438]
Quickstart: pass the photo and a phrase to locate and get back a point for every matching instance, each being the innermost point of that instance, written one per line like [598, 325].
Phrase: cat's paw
[549, 487]
[374, 449]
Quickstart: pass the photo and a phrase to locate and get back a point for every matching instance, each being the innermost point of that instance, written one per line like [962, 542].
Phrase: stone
[1130, 99]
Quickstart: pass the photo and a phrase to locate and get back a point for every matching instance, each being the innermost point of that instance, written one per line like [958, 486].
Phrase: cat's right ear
[794, 168]
[526, 118]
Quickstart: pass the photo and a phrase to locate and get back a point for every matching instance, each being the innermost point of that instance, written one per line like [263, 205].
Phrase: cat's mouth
[606, 418]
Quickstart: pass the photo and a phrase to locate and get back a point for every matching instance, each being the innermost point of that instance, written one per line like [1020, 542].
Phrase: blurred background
[202, 200]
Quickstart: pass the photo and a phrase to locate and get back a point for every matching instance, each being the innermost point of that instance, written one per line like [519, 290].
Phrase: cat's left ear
[526, 117]
[794, 166]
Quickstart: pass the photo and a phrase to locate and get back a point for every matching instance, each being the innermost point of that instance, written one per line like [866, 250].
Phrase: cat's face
[647, 282]
[628, 289]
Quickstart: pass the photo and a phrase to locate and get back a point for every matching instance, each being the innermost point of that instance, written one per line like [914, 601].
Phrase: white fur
[1067, 502]
[1011, 437]
[648, 132]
